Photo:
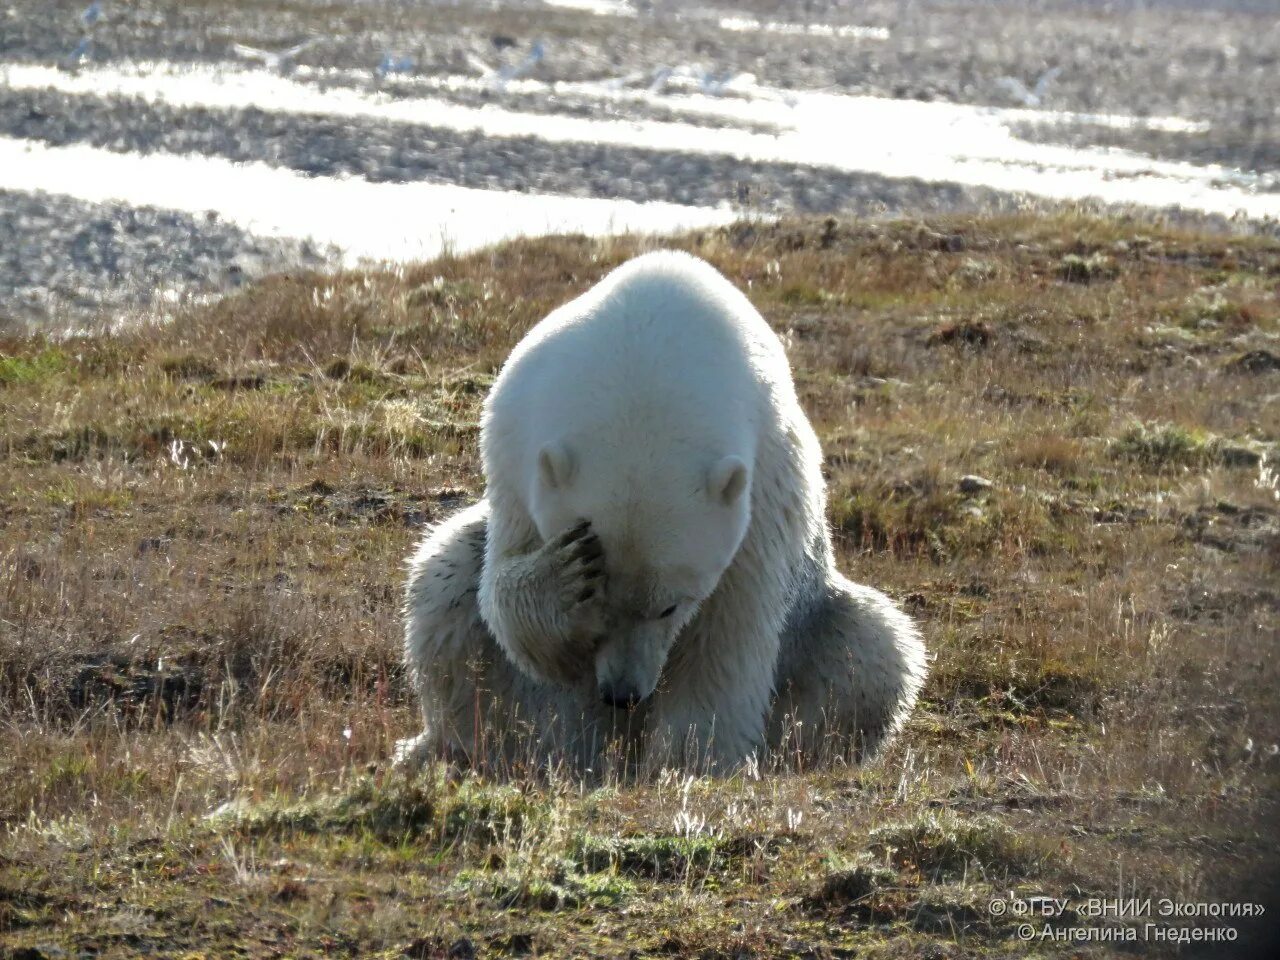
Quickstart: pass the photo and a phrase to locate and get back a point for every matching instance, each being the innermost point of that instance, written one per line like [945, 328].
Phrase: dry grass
[201, 534]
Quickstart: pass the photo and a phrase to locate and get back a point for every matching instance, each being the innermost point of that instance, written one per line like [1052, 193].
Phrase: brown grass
[202, 526]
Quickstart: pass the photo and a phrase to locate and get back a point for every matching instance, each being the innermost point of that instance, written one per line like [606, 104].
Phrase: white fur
[659, 406]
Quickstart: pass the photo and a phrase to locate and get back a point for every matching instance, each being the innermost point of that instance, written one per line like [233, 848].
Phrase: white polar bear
[651, 560]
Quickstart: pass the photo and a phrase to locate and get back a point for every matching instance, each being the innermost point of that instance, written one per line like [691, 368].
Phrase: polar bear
[650, 567]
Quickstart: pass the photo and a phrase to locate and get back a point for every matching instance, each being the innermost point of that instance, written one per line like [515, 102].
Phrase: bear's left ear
[727, 480]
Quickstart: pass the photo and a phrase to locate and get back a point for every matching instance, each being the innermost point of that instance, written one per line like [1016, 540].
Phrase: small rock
[462, 949]
[971, 483]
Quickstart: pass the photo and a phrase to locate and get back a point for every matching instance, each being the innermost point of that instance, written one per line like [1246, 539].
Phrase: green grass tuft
[492, 813]
[945, 845]
[32, 369]
[471, 810]
[1165, 446]
[658, 857]
[558, 885]
[389, 812]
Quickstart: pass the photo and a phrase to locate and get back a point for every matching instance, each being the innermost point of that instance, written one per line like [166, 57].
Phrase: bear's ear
[727, 480]
[555, 464]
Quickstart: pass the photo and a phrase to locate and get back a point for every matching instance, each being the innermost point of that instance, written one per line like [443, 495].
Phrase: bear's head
[670, 522]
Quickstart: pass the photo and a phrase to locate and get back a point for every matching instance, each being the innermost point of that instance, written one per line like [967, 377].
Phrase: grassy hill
[202, 531]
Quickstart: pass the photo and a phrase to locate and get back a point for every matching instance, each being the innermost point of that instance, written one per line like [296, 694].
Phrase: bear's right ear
[555, 465]
[727, 480]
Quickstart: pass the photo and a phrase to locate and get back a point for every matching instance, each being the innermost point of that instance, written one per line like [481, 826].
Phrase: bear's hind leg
[850, 669]
[465, 685]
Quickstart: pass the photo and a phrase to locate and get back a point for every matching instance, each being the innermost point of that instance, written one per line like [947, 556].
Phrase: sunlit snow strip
[749, 25]
[934, 142]
[231, 86]
[602, 8]
[366, 221]
[747, 101]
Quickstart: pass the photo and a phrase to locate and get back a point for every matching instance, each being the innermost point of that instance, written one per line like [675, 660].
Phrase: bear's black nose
[620, 696]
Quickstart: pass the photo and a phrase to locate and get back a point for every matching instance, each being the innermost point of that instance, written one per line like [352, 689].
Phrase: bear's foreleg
[696, 723]
[711, 707]
[546, 606]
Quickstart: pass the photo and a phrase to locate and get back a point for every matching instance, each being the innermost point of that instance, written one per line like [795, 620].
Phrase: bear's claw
[579, 555]
[574, 533]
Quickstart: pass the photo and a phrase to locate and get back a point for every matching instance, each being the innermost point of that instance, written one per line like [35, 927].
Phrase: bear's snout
[620, 695]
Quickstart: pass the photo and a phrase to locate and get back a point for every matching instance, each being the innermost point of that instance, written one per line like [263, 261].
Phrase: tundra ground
[202, 533]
